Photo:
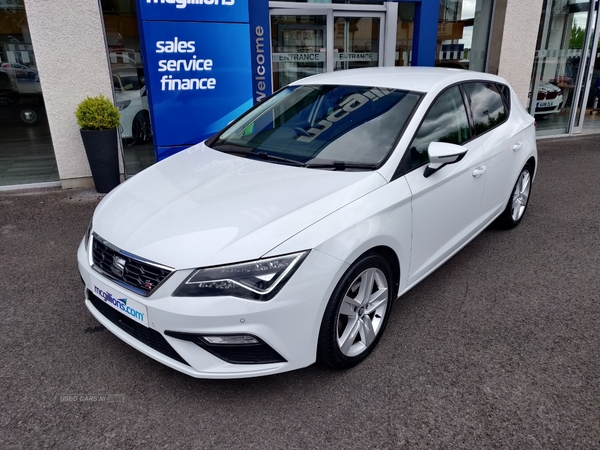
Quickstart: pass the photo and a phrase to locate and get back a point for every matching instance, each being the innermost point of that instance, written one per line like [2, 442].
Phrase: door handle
[518, 146]
[479, 171]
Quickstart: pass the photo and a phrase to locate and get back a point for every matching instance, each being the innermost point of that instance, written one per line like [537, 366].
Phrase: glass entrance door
[357, 41]
[299, 46]
[306, 42]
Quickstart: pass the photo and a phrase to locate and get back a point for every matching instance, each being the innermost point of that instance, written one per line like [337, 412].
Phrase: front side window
[446, 121]
[486, 105]
[329, 124]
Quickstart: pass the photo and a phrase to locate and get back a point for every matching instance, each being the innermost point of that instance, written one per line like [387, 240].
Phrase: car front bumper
[549, 106]
[289, 323]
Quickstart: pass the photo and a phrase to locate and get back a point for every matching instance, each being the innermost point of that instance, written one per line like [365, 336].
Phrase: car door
[501, 139]
[446, 206]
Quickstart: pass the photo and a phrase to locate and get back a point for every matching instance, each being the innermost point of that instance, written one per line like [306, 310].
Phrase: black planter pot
[102, 151]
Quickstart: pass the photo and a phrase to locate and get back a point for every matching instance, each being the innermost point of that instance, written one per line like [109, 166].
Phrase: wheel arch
[390, 256]
[533, 162]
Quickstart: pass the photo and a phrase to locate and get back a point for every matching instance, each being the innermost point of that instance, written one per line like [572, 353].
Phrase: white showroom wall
[519, 39]
[69, 44]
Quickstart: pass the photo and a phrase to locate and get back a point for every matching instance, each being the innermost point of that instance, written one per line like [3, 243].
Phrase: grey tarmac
[499, 348]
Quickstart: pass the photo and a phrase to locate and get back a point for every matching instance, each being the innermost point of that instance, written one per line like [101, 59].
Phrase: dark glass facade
[26, 152]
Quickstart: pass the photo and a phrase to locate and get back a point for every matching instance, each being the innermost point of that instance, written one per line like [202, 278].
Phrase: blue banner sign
[197, 85]
[260, 49]
[206, 62]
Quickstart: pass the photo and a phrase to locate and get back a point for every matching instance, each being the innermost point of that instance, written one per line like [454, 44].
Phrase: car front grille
[136, 274]
[551, 95]
[148, 336]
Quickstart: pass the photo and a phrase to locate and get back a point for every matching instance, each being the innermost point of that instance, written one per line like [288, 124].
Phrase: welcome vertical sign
[204, 62]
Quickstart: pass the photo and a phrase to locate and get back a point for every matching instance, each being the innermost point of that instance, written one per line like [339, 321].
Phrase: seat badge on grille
[118, 266]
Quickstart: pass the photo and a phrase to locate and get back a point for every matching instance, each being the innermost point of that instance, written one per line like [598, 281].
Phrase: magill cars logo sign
[194, 10]
[132, 310]
[183, 3]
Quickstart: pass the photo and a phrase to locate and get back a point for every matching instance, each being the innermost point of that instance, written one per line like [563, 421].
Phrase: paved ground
[497, 349]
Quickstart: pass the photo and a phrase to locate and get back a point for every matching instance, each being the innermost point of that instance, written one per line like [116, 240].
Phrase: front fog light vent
[233, 348]
[243, 339]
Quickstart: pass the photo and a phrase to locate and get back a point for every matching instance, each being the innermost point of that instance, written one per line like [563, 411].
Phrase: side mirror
[442, 153]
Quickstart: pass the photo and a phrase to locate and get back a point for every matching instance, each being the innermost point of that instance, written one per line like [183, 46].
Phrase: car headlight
[123, 104]
[255, 280]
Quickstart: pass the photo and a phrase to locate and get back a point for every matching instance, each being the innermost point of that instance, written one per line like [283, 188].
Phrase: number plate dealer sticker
[122, 303]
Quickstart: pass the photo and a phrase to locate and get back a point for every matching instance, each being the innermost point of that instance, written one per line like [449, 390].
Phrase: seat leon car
[286, 238]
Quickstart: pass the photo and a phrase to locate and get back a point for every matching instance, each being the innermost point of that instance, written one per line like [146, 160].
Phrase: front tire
[357, 313]
[519, 199]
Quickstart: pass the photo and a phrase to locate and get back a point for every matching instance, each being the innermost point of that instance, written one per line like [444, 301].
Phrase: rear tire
[141, 129]
[357, 313]
[518, 201]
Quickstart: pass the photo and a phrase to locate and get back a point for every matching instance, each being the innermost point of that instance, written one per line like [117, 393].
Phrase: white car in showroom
[132, 101]
[285, 238]
[549, 99]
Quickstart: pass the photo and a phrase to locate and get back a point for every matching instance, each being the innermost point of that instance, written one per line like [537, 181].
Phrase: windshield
[128, 83]
[317, 125]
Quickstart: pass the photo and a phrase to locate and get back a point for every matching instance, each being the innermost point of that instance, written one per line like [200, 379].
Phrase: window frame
[506, 98]
[502, 98]
[405, 165]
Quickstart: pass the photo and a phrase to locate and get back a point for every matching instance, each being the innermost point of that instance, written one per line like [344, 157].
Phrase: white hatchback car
[285, 238]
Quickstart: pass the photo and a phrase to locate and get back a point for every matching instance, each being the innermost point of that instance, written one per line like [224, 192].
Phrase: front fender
[382, 217]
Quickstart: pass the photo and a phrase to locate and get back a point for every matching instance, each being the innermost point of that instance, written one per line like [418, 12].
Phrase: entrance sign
[298, 57]
[359, 56]
[205, 63]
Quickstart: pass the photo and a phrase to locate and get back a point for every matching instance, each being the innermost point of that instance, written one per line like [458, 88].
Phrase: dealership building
[180, 70]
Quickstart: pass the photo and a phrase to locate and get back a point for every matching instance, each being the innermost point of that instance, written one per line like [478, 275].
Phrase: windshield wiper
[266, 156]
[341, 165]
[241, 151]
[230, 149]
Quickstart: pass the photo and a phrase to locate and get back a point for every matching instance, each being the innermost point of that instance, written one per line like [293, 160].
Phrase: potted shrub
[99, 118]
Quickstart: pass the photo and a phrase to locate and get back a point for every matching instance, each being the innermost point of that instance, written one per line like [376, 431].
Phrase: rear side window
[505, 91]
[486, 105]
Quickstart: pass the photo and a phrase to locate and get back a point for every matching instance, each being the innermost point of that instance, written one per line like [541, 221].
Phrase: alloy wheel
[362, 311]
[520, 195]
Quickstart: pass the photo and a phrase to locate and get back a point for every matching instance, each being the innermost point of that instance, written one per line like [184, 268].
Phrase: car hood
[128, 95]
[201, 207]
[547, 87]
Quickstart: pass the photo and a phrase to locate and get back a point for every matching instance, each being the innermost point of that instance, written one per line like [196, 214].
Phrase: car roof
[420, 79]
